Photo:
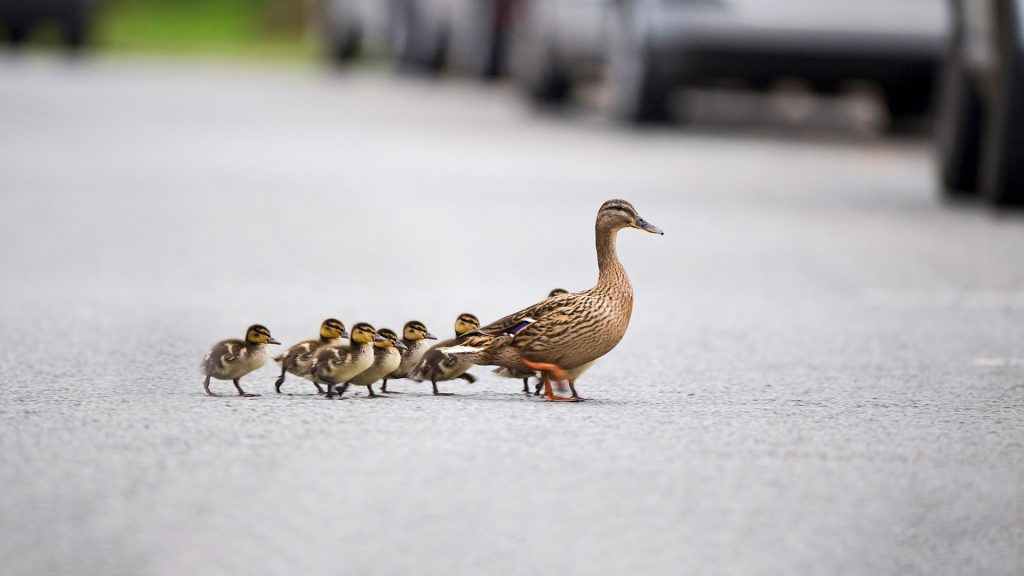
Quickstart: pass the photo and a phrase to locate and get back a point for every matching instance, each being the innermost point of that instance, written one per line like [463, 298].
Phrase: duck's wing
[434, 362]
[302, 351]
[510, 325]
[331, 356]
[223, 353]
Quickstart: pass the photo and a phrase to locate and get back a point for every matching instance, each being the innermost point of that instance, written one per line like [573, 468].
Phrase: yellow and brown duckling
[387, 355]
[567, 332]
[415, 336]
[298, 358]
[340, 363]
[436, 367]
[233, 358]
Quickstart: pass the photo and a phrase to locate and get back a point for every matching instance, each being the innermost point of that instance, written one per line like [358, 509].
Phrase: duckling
[233, 358]
[298, 359]
[387, 355]
[566, 332]
[414, 336]
[557, 292]
[437, 367]
[339, 363]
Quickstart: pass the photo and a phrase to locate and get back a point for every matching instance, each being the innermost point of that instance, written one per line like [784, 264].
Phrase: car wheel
[17, 34]
[958, 127]
[638, 91]
[343, 37]
[1002, 169]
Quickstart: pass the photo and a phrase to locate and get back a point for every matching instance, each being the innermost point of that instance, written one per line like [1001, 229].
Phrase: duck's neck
[611, 271]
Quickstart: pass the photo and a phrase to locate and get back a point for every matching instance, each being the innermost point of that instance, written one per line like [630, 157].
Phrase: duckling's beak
[344, 334]
[378, 338]
[400, 345]
[646, 226]
[430, 336]
[272, 341]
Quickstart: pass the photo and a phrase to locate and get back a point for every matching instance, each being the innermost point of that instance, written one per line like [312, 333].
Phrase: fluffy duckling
[233, 358]
[414, 336]
[298, 359]
[387, 355]
[437, 367]
[557, 292]
[339, 363]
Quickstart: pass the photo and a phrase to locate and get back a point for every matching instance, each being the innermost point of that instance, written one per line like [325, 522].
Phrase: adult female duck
[561, 334]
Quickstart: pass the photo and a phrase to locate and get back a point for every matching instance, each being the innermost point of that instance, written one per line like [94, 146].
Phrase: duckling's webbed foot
[538, 387]
[526, 386]
[206, 386]
[242, 392]
[468, 378]
[319, 388]
[278, 382]
[369, 390]
[436, 393]
[572, 386]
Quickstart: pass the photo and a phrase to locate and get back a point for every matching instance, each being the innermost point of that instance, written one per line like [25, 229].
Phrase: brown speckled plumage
[568, 330]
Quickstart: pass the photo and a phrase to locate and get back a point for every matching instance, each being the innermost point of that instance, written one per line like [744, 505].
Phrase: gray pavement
[824, 373]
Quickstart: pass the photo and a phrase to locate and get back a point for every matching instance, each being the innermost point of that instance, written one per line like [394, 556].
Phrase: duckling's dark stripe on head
[469, 319]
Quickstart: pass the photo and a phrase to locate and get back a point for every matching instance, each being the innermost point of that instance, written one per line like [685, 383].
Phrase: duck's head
[390, 339]
[415, 330]
[618, 214]
[363, 333]
[332, 329]
[557, 292]
[258, 334]
[466, 323]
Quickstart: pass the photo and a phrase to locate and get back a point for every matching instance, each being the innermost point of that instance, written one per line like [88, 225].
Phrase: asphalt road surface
[824, 373]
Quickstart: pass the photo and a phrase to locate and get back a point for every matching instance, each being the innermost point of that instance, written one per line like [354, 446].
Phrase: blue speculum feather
[515, 329]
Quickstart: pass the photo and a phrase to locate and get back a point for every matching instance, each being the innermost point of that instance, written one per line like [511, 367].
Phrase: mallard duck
[231, 359]
[298, 358]
[339, 363]
[387, 355]
[564, 332]
[437, 367]
[414, 336]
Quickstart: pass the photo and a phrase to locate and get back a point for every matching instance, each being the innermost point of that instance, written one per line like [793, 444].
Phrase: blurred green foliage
[233, 28]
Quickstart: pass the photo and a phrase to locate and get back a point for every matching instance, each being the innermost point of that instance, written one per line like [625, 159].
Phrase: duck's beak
[400, 346]
[430, 336]
[272, 341]
[344, 334]
[646, 226]
[378, 338]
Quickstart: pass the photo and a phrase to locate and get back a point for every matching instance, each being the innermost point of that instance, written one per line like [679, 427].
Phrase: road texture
[824, 373]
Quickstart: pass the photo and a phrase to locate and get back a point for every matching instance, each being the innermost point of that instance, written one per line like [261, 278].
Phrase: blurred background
[823, 372]
[945, 70]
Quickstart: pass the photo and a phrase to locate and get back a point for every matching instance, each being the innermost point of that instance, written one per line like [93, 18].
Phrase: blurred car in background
[19, 18]
[981, 121]
[646, 49]
[557, 44]
[467, 36]
[352, 26]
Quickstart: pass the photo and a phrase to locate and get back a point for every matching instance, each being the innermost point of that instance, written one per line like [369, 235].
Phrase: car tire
[415, 44]
[1002, 159]
[958, 127]
[342, 37]
[638, 89]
